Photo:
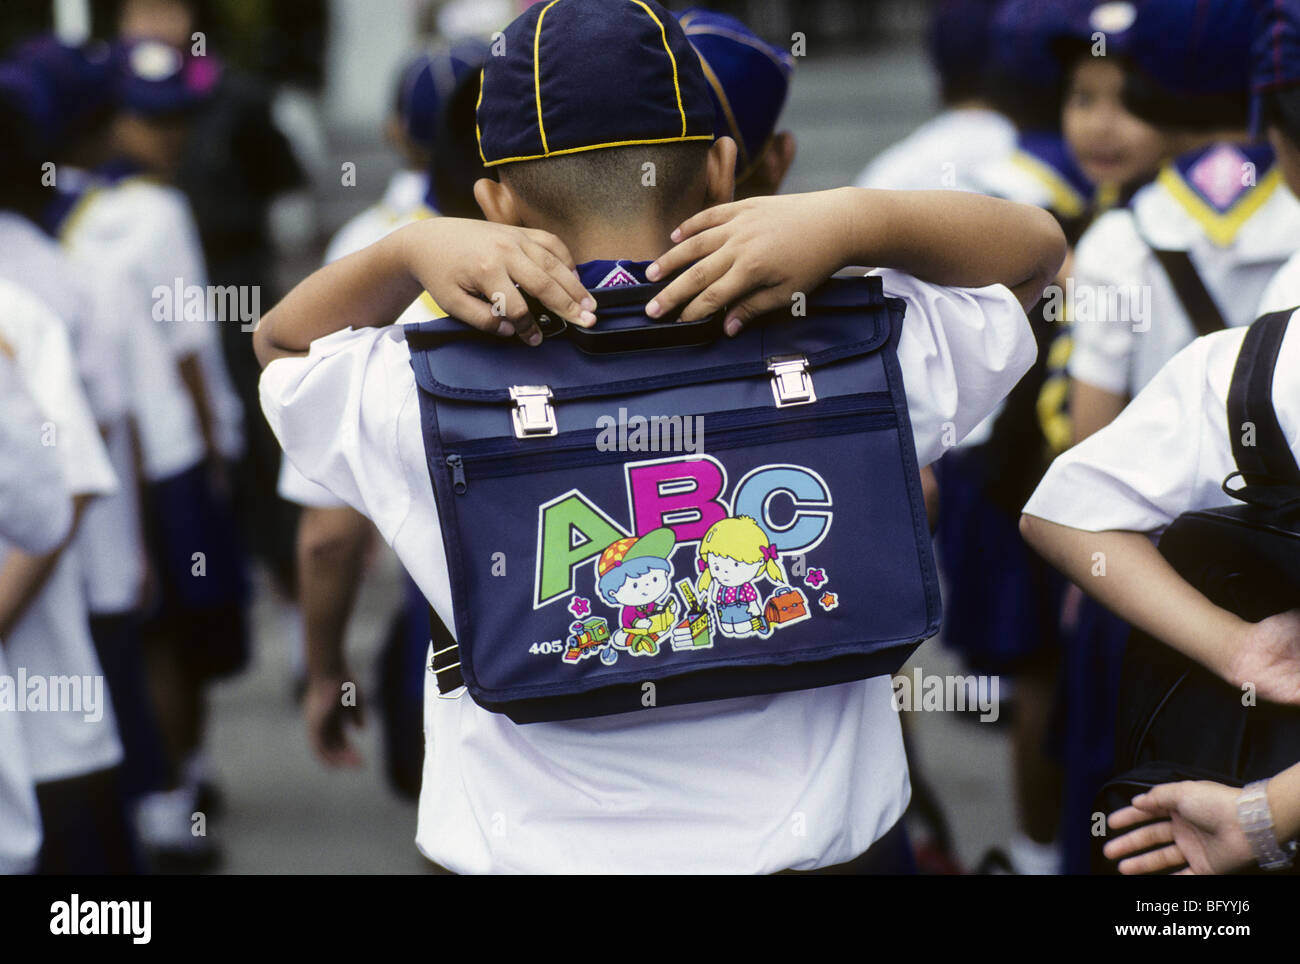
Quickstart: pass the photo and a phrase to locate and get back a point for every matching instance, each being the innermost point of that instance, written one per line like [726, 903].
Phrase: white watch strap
[1256, 820]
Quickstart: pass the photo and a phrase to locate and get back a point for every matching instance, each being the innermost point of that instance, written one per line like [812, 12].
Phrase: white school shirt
[402, 204]
[753, 785]
[1016, 175]
[944, 153]
[403, 197]
[32, 259]
[1284, 290]
[1169, 451]
[1236, 257]
[162, 410]
[109, 539]
[148, 227]
[52, 639]
[35, 511]
[35, 515]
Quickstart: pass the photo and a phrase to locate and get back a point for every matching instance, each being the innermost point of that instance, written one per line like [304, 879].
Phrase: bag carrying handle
[656, 334]
[1268, 468]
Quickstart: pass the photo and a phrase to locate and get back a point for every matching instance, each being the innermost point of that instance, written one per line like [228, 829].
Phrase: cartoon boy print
[734, 553]
[635, 576]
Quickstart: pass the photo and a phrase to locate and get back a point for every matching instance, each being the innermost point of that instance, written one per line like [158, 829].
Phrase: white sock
[1034, 859]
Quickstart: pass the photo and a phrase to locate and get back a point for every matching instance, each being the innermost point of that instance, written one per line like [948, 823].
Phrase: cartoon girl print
[733, 554]
[635, 576]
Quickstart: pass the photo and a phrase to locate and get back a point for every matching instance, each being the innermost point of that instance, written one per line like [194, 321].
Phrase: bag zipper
[500, 457]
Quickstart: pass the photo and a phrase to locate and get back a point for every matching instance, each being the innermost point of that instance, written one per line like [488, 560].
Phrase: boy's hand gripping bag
[648, 513]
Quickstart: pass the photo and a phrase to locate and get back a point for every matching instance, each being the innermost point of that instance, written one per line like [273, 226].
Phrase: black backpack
[1178, 721]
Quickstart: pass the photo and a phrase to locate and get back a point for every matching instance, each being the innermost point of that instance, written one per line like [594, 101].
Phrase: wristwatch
[1257, 824]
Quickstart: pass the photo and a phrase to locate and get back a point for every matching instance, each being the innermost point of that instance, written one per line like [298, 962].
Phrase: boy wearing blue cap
[1026, 84]
[970, 133]
[589, 99]
[134, 237]
[748, 81]
[61, 767]
[70, 746]
[35, 517]
[1207, 236]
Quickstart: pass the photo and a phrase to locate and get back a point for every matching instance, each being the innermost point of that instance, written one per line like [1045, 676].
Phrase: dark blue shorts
[194, 546]
[1002, 603]
[121, 654]
[86, 827]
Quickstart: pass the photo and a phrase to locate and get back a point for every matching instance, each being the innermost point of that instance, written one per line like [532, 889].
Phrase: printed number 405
[554, 646]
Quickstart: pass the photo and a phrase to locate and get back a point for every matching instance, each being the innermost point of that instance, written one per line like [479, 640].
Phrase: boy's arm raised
[1126, 573]
[471, 268]
[753, 255]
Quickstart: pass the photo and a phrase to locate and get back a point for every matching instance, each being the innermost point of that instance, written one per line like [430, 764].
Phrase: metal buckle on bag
[791, 383]
[532, 415]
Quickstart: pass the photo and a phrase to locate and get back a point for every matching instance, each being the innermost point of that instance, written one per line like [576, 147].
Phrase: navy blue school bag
[648, 513]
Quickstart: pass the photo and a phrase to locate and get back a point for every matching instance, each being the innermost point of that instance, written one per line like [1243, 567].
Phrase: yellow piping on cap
[673, 60]
[546, 151]
[537, 73]
[597, 147]
[478, 133]
[726, 107]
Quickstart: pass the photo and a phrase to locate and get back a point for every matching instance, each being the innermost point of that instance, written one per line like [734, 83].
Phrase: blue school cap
[580, 75]
[62, 86]
[31, 99]
[1023, 34]
[1194, 47]
[960, 37]
[748, 80]
[154, 79]
[427, 81]
[1275, 55]
[1111, 21]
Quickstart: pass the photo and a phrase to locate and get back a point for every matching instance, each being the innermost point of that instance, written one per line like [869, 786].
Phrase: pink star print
[815, 577]
[579, 607]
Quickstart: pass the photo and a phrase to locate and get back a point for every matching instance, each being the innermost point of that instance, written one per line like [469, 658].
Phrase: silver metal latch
[791, 383]
[532, 414]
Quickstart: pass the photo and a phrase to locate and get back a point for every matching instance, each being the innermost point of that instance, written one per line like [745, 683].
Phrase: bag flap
[847, 317]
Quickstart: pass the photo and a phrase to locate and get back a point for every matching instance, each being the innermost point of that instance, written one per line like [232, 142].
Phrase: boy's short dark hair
[1176, 111]
[1281, 109]
[617, 185]
[22, 187]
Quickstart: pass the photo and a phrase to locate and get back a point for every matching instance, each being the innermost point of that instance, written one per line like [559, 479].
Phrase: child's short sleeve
[962, 350]
[44, 354]
[1167, 453]
[1109, 257]
[339, 412]
[35, 511]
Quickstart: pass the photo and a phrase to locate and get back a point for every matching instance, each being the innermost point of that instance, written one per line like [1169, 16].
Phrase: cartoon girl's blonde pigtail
[706, 577]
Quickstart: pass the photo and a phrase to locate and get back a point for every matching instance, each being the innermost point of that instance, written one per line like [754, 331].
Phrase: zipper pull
[457, 474]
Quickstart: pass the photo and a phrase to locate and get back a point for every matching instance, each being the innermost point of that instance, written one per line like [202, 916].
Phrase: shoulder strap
[1191, 291]
[445, 664]
[1267, 464]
